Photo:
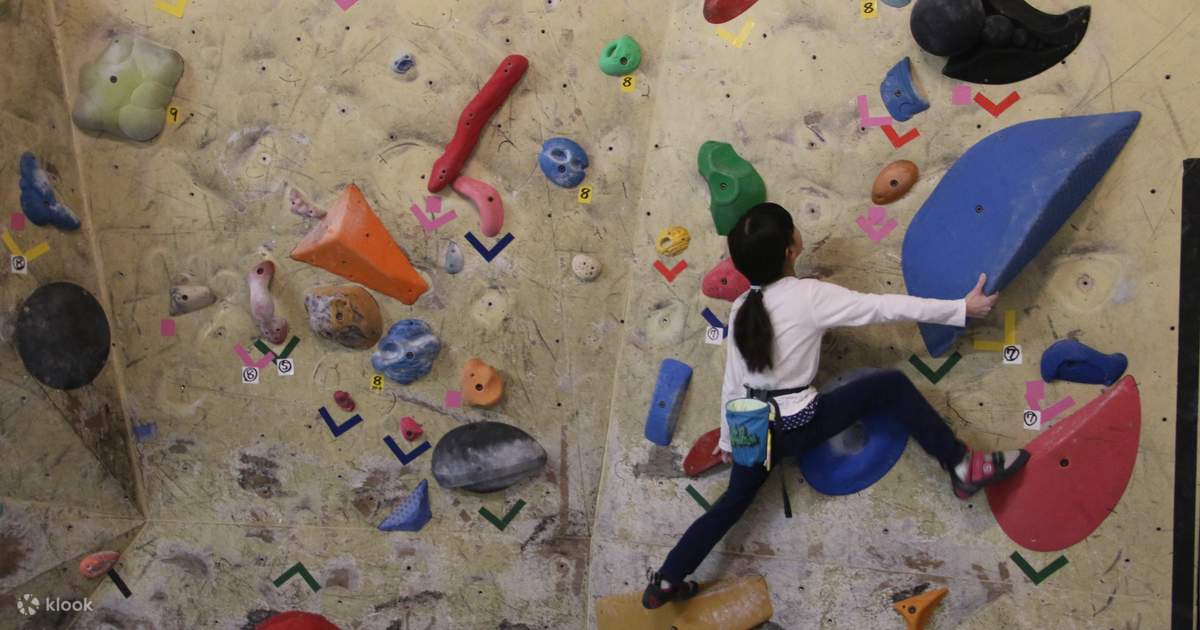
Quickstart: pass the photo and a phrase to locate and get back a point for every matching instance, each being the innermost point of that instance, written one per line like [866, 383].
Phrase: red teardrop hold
[1077, 472]
[721, 11]
[296, 620]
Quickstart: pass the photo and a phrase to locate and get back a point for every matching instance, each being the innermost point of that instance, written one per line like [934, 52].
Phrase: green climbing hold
[733, 184]
[621, 57]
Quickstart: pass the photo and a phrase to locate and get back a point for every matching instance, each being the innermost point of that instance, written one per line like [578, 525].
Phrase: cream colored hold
[188, 298]
[585, 267]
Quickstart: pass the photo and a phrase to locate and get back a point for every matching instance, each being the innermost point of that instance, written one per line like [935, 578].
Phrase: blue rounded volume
[564, 162]
[406, 352]
[899, 94]
[897, 3]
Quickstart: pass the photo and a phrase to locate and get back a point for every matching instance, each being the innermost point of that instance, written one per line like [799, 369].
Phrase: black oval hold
[62, 335]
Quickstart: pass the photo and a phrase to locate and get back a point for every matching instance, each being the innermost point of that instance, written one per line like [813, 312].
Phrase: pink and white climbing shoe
[984, 469]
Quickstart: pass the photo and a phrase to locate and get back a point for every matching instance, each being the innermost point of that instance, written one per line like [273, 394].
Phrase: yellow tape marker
[585, 194]
[870, 9]
[36, 252]
[629, 83]
[12, 246]
[174, 114]
[742, 35]
[1010, 335]
[175, 8]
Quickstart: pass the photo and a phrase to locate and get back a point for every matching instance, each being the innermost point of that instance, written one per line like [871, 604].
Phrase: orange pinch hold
[481, 384]
[917, 609]
[351, 242]
[95, 565]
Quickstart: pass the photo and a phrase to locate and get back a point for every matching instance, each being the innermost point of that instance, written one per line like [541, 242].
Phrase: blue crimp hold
[412, 514]
[37, 197]
[899, 94]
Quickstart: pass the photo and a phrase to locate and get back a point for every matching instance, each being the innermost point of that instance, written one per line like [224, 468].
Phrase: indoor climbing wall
[245, 461]
[67, 482]
[782, 86]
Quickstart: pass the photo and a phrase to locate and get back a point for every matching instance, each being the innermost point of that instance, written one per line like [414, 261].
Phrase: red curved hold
[701, 457]
[486, 199]
[1077, 472]
[474, 118]
[721, 11]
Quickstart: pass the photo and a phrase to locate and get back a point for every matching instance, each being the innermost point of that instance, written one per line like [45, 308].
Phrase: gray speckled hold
[486, 456]
[454, 258]
[187, 298]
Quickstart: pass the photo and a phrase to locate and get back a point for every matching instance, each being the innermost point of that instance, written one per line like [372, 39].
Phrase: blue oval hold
[403, 63]
[564, 162]
[407, 351]
[897, 3]
[899, 94]
[856, 458]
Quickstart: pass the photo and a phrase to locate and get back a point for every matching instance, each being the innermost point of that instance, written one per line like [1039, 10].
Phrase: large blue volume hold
[412, 514]
[899, 94]
[1070, 360]
[673, 379]
[1001, 202]
[563, 161]
[856, 458]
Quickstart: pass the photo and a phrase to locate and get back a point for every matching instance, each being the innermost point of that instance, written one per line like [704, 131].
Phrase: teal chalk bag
[750, 431]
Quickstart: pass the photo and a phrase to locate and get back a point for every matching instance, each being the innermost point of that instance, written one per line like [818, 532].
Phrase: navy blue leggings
[836, 411]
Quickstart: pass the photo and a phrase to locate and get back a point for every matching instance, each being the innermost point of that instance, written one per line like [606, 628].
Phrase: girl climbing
[776, 328]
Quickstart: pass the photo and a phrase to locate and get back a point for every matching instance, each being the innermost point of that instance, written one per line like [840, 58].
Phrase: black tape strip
[1183, 563]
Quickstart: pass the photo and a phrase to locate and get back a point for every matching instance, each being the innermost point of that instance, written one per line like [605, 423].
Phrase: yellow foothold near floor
[734, 604]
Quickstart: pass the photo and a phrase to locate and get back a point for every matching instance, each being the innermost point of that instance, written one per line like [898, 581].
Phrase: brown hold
[481, 384]
[917, 609]
[894, 181]
[97, 564]
[352, 242]
[347, 314]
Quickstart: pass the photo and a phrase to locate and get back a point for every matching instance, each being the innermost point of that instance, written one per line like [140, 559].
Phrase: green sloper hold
[733, 183]
[127, 89]
[620, 57]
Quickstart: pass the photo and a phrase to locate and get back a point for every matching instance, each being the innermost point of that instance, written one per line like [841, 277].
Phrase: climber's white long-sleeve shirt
[801, 311]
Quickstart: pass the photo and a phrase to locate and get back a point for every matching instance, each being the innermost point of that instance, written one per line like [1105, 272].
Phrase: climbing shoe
[979, 470]
[656, 594]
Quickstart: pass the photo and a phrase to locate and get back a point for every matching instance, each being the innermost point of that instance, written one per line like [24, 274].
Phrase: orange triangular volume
[917, 609]
[352, 243]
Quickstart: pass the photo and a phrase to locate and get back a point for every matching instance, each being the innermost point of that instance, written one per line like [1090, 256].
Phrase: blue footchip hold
[1070, 360]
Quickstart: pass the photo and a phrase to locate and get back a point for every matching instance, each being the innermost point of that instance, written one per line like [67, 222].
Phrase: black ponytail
[758, 246]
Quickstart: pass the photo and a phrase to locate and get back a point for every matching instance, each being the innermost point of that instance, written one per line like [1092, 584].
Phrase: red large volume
[473, 120]
[721, 11]
[1077, 473]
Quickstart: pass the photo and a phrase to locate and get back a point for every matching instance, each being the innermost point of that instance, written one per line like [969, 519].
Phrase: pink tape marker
[871, 224]
[453, 399]
[16, 221]
[1035, 391]
[961, 94]
[167, 327]
[433, 205]
[345, 4]
[864, 115]
[1057, 408]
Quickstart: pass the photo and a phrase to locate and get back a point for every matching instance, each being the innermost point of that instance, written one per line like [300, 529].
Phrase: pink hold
[343, 400]
[95, 565]
[410, 429]
[724, 281]
[300, 206]
[262, 307]
[486, 199]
